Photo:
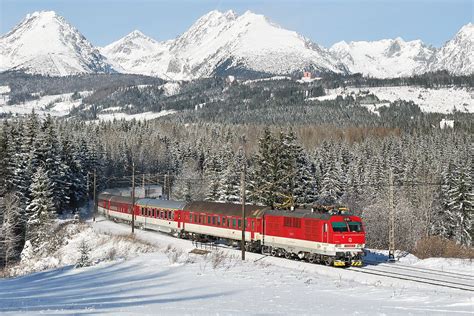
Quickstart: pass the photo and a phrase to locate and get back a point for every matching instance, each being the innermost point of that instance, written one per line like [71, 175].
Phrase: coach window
[223, 221]
[240, 223]
[169, 214]
[218, 221]
[253, 225]
[209, 220]
[213, 220]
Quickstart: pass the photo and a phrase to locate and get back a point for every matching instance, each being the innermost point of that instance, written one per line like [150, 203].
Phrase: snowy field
[55, 105]
[443, 100]
[128, 117]
[173, 282]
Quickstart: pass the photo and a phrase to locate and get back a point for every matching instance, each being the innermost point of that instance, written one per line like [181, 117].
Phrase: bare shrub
[173, 254]
[111, 254]
[217, 258]
[435, 246]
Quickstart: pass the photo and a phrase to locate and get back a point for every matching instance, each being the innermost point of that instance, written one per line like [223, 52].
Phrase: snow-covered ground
[128, 117]
[443, 100]
[172, 281]
[55, 105]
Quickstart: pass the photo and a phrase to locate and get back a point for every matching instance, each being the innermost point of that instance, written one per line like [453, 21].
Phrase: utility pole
[95, 199]
[164, 189]
[391, 234]
[169, 185]
[242, 183]
[133, 197]
[143, 185]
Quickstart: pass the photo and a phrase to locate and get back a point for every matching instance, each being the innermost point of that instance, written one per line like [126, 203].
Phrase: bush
[84, 259]
[438, 247]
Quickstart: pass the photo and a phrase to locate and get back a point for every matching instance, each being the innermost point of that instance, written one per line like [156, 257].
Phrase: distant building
[446, 124]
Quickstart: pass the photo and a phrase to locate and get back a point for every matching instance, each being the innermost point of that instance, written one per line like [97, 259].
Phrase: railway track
[440, 278]
[462, 276]
[459, 281]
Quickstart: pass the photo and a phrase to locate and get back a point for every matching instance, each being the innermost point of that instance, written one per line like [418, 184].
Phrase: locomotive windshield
[355, 227]
[342, 227]
[339, 227]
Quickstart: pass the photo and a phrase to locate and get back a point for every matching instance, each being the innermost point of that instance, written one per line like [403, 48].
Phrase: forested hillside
[295, 148]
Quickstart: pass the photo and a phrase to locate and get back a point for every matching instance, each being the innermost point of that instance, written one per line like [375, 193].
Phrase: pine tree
[331, 185]
[13, 229]
[189, 183]
[212, 173]
[461, 205]
[41, 209]
[84, 259]
[230, 181]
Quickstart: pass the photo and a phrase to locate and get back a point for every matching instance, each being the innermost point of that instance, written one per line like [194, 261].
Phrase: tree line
[45, 165]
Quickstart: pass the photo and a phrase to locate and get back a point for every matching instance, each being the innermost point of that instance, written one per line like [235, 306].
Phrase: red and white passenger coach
[333, 237]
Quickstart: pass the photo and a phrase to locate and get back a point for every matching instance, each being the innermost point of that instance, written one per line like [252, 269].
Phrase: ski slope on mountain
[442, 100]
[174, 282]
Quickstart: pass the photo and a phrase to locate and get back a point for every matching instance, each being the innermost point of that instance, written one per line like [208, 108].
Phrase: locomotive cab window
[339, 227]
[355, 227]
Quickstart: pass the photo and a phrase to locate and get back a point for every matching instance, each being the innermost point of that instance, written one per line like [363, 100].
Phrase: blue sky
[324, 22]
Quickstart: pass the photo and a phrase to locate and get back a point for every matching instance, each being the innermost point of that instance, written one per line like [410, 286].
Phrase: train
[331, 236]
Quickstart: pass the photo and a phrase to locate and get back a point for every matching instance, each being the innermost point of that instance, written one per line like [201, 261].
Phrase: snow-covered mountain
[224, 42]
[46, 43]
[137, 53]
[385, 58]
[457, 55]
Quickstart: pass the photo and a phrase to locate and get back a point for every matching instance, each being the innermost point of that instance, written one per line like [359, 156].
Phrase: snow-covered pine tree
[301, 182]
[265, 170]
[72, 173]
[46, 153]
[231, 178]
[41, 209]
[461, 205]
[13, 229]
[212, 174]
[331, 185]
[84, 258]
[189, 185]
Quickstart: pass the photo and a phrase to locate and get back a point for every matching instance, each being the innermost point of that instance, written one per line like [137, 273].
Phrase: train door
[251, 227]
[325, 232]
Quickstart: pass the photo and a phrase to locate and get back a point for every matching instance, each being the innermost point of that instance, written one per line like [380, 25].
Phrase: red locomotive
[333, 237]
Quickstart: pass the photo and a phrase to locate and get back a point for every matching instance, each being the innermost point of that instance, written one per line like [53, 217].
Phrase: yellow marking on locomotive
[356, 263]
[339, 263]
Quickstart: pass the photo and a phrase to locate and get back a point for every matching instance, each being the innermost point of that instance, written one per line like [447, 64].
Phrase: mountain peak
[46, 43]
[42, 14]
[456, 55]
[136, 33]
